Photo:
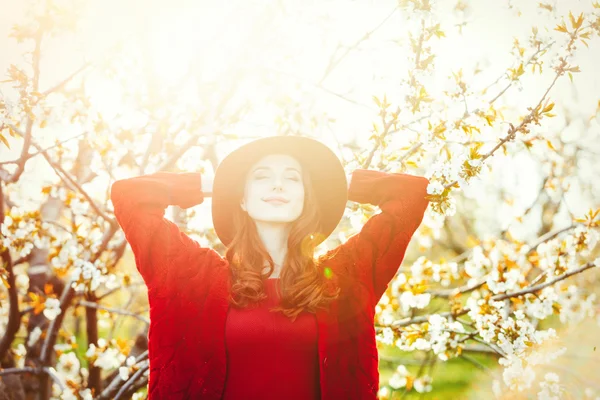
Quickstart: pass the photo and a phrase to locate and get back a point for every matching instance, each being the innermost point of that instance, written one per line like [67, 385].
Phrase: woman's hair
[303, 284]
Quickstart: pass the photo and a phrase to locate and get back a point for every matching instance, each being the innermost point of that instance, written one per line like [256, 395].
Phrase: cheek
[252, 192]
[253, 196]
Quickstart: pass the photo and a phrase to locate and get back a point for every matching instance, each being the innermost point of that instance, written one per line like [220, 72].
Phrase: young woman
[268, 320]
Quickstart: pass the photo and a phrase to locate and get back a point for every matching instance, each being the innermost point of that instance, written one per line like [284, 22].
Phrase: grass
[451, 379]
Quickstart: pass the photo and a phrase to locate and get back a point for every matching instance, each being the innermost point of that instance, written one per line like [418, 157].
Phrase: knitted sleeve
[158, 244]
[378, 249]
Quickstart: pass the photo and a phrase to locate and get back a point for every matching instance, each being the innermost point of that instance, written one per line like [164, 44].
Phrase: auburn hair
[303, 283]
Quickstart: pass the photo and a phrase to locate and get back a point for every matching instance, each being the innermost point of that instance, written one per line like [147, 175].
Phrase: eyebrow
[288, 168]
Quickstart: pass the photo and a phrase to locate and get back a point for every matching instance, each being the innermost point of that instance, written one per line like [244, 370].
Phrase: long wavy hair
[304, 285]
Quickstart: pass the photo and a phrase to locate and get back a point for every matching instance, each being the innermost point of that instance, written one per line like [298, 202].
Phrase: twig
[65, 81]
[90, 304]
[424, 318]
[129, 383]
[333, 62]
[67, 178]
[35, 371]
[23, 370]
[447, 293]
[526, 121]
[14, 315]
[491, 346]
[526, 64]
[541, 286]
[44, 151]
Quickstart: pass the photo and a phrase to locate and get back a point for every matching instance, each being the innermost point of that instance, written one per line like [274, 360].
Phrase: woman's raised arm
[378, 249]
[158, 244]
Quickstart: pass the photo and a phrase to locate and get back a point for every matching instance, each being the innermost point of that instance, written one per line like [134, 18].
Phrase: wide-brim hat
[323, 166]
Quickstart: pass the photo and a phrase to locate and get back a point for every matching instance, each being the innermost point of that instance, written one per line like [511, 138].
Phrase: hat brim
[323, 166]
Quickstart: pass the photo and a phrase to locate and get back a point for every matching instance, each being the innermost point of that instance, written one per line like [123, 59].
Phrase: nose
[277, 184]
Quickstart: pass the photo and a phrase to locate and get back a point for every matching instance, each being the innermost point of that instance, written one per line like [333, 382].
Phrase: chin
[274, 216]
[274, 219]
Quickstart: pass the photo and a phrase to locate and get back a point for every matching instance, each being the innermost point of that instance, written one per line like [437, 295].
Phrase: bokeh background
[121, 88]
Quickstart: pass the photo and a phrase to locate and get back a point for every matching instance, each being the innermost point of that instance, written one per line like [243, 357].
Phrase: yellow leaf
[571, 77]
[448, 154]
[5, 282]
[579, 21]
[376, 100]
[572, 19]
[48, 288]
[549, 143]
[561, 28]
[38, 308]
[375, 128]
[549, 107]
[4, 141]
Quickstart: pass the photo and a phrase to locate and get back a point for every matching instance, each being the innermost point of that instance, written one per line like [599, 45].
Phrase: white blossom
[400, 377]
[423, 384]
[51, 308]
[550, 387]
[410, 300]
[34, 335]
[109, 359]
[435, 188]
[124, 373]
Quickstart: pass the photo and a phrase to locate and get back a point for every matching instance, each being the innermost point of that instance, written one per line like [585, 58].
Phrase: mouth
[276, 200]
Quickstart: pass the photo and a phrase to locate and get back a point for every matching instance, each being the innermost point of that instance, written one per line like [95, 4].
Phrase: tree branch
[541, 286]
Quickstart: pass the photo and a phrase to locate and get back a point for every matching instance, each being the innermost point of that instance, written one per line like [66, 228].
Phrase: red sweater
[268, 356]
[188, 285]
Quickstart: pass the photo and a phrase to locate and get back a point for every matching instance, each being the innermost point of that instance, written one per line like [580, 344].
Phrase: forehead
[276, 161]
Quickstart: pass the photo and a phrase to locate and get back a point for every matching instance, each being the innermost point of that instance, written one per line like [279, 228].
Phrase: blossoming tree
[490, 264]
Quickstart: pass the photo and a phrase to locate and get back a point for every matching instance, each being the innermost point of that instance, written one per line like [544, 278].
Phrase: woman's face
[274, 190]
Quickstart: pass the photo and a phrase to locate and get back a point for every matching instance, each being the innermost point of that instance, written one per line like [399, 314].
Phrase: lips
[276, 200]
